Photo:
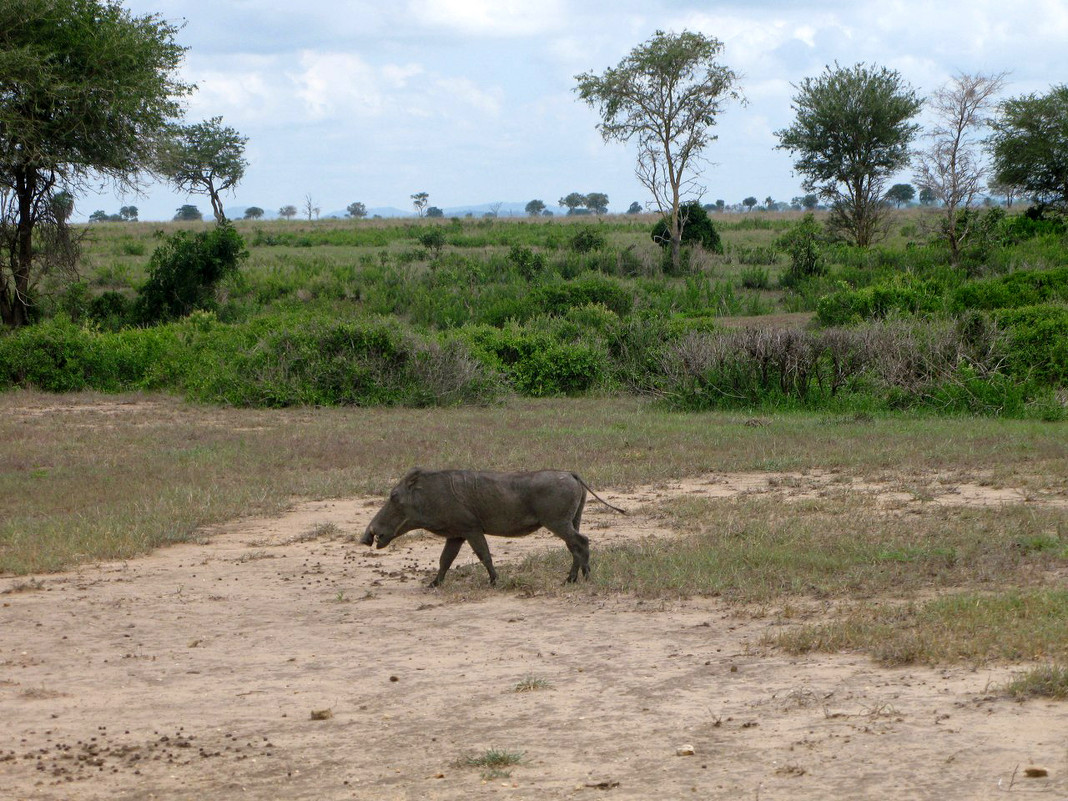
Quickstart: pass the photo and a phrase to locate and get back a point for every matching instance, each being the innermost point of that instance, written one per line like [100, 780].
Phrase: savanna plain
[800, 605]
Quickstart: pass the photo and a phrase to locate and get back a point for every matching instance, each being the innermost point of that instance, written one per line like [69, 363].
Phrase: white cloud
[506, 18]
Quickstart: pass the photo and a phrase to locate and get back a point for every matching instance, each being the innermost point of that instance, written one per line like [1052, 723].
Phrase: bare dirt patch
[278, 660]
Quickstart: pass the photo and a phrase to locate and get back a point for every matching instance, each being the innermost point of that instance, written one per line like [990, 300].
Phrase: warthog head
[390, 522]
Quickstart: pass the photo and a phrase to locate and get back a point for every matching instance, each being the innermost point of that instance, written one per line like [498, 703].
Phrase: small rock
[322, 714]
[1035, 773]
[685, 750]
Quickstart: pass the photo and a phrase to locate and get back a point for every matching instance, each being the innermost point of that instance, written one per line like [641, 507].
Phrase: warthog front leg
[448, 554]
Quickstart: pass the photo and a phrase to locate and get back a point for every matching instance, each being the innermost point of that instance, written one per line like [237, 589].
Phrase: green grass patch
[1045, 681]
[1016, 625]
[842, 545]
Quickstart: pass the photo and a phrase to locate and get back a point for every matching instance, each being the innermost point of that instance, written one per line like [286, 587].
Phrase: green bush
[906, 297]
[536, 364]
[587, 240]
[528, 263]
[1020, 288]
[697, 229]
[185, 271]
[1038, 342]
[804, 243]
[559, 296]
[59, 356]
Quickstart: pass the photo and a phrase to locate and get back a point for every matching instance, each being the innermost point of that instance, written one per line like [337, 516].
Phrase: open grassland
[85, 478]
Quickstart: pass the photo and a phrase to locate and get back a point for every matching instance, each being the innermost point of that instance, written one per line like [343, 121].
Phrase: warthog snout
[368, 537]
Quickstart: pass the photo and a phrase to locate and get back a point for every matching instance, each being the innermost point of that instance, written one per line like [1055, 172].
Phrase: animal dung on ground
[322, 714]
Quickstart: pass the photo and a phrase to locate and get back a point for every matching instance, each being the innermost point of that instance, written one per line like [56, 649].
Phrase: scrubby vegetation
[467, 311]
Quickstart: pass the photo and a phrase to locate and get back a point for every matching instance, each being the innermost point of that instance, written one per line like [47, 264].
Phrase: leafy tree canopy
[86, 91]
[666, 94]
[851, 133]
[205, 158]
[899, 194]
[1030, 145]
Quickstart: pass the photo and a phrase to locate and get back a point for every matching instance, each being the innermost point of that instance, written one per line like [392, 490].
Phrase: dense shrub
[902, 296]
[557, 297]
[697, 229]
[273, 361]
[804, 243]
[185, 271]
[59, 356]
[1038, 342]
[587, 239]
[1020, 288]
[537, 364]
[944, 365]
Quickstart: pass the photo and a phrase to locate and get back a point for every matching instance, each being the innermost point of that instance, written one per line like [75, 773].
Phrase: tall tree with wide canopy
[851, 134]
[666, 94]
[206, 158]
[86, 90]
[1030, 145]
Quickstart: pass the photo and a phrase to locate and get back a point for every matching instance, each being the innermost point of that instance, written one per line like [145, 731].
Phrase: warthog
[466, 505]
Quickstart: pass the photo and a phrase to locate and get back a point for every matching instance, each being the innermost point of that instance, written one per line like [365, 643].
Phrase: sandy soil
[272, 661]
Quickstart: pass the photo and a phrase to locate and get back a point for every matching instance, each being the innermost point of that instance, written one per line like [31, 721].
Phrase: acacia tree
[951, 165]
[899, 194]
[850, 135]
[356, 210]
[59, 60]
[1030, 145]
[597, 202]
[534, 208]
[666, 94]
[572, 201]
[288, 211]
[205, 158]
[420, 201]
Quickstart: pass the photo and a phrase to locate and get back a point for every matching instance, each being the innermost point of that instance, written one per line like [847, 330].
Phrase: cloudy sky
[472, 101]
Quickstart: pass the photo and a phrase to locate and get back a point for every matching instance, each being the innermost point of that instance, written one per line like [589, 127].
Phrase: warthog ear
[412, 477]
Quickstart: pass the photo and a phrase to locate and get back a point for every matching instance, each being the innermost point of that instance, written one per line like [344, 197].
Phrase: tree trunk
[15, 303]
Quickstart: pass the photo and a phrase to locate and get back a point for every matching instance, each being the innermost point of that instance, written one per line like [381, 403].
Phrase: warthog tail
[589, 489]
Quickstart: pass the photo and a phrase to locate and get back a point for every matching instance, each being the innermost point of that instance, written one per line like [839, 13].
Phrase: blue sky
[472, 100]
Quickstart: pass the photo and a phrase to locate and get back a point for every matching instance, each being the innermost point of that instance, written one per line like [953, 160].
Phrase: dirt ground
[278, 660]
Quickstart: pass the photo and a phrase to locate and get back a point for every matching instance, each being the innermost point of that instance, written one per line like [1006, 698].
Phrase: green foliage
[185, 271]
[586, 240]
[433, 239]
[85, 88]
[697, 229]
[851, 134]
[1030, 145]
[804, 243]
[528, 263]
[1020, 288]
[559, 296]
[1038, 337]
[59, 356]
[535, 362]
[902, 296]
